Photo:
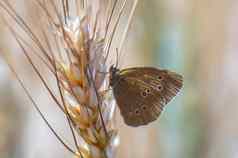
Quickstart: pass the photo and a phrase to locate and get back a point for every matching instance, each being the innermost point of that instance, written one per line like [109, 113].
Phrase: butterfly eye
[144, 107]
[137, 111]
[147, 90]
[160, 78]
[144, 94]
[159, 87]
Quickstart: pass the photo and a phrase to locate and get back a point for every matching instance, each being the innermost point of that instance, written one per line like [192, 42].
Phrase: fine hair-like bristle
[174, 84]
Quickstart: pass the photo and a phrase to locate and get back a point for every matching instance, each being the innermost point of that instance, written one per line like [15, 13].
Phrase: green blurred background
[196, 38]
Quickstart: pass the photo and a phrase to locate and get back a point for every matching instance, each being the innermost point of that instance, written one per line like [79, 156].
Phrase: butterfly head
[114, 74]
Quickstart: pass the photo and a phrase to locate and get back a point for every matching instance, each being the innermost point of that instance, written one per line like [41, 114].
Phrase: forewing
[166, 83]
[141, 93]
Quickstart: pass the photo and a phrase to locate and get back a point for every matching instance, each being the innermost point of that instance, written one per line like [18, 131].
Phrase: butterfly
[142, 92]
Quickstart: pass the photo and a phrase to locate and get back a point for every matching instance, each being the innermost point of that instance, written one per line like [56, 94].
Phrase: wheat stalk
[77, 59]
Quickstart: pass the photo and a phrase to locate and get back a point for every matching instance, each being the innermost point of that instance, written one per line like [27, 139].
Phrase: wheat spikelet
[84, 84]
[74, 45]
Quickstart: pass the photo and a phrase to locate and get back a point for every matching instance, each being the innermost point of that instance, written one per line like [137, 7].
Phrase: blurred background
[196, 38]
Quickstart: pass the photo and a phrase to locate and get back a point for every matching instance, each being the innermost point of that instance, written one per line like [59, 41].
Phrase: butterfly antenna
[117, 57]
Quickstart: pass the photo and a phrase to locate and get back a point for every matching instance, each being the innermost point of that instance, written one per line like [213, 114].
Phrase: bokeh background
[196, 38]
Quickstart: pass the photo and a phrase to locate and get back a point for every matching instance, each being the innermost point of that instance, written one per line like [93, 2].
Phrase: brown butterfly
[142, 92]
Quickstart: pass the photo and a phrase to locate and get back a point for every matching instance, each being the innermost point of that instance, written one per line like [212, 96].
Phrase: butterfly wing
[141, 93]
